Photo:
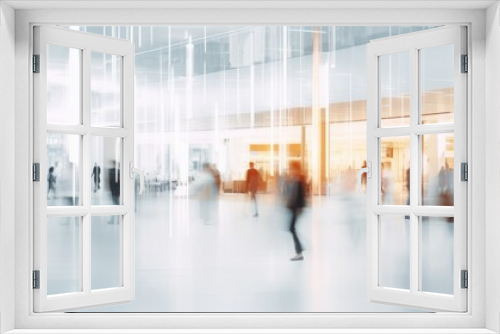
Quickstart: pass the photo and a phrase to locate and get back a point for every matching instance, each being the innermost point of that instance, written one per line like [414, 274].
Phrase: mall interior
[225, 97]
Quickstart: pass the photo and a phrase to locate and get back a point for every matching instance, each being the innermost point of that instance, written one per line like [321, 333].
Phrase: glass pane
[436, 81]
[63, 84]
[395, 170]
[437, 254]
[106, 252]
[395, 89]
[394, 239]
[63, 169]
[63, 255]
[105, 178]
[437, 167]
[105, 86]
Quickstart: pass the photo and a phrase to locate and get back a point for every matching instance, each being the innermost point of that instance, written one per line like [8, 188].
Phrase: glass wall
[291, 101]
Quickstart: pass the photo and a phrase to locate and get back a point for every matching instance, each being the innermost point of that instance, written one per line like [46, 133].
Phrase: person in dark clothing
[295, 200]
[114, 182]
[96, 173]
[51, 183]
[253, 181]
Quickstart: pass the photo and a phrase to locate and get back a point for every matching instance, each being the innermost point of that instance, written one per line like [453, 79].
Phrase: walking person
[51, 183]
[96, 173]
[253, 181]
[295, 200]
[205, 188]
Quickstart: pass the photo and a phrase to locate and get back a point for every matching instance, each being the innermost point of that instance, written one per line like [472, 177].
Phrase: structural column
[318, 166]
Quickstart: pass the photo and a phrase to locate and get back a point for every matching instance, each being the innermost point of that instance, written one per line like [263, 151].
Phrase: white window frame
[413, 43]
[85, 43]
[474, 19]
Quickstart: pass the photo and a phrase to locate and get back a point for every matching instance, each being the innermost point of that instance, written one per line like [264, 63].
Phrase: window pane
[438, 168]
[437, 80]
[63, 255]
[395, 170]
[394, 248]
[395, 89]
[105, 86]
[106, 252]
[63, 85]
[106, 178]
[63, 169]
[436, 235]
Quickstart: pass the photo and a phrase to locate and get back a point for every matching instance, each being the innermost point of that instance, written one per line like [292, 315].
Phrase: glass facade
[211, 100]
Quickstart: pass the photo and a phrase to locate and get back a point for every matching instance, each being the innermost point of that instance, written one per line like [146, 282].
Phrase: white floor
[240, 263]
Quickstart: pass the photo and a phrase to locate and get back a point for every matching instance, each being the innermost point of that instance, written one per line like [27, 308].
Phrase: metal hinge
[465, 64]
[464, 172]
[36, 63]
[36, 172]
[36, 279]
[465, 279]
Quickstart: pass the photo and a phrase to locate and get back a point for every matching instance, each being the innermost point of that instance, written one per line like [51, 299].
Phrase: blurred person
[216, 191]
[407, 183]
[364, 176]
[137, 186]
[348, 181]
[205, 188]
[114, 182]
[295, 200]
[445, 185]
[217, 178]
[387, 184]
[96, 173]
[252, 183]
[51, 183]
[114, 186]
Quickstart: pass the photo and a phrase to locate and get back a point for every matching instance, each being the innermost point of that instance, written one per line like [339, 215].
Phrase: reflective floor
[235, 262]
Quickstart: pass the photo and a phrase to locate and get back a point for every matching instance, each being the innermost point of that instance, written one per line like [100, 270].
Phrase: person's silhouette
[51, 183]
[295, 195]
[96, 173]
[253, 181]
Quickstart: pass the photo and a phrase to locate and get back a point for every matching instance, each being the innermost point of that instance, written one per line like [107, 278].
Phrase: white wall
[7, 158]
[492, 169]
[476, 240]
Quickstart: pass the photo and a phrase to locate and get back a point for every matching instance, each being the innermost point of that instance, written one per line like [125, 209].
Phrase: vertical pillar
[318, 121]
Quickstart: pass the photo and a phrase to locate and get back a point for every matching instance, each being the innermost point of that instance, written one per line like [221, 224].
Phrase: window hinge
[465, 64]
[464, 172]
[36, 172]
[36, 63]
[465, 279]
[36, 279]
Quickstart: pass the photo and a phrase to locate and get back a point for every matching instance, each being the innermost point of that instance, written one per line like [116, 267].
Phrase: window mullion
[414, 171]
[86, 243]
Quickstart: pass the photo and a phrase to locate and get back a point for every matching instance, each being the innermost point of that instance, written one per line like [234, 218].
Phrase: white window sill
[251, 331]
